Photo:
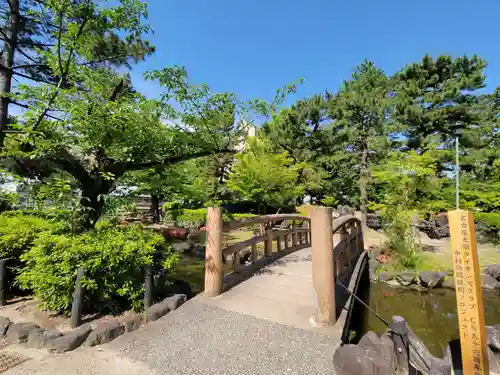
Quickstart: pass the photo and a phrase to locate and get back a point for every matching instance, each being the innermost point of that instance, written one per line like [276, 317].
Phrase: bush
[18, 231]
[113, 259]
[400, 241]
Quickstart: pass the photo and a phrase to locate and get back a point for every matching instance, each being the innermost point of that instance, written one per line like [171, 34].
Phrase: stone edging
[54, 341]
[431, 279]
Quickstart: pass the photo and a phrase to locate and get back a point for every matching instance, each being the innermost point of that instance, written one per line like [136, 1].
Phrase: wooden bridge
[295, 279]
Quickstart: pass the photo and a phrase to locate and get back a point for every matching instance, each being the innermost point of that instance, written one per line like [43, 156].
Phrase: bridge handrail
[238, 223]
[299, 236]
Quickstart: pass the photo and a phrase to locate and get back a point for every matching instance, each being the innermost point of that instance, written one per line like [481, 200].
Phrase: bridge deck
[281, 292]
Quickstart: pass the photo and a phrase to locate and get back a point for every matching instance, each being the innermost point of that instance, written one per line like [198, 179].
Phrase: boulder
[175, 301]
[406, 278]
[493, 333]
[4, 325]
[449, 283]
[380, 351]
[18, 332]
[105, 332]
[489, 282]
[394, 283]
[39, 338]
[182, 247]
[385, 276]
[70, 340]
[133, 322]
[352, 359]
[493, 270]
[494, 362]
[156, 311]
[176, 287]
[432, 279]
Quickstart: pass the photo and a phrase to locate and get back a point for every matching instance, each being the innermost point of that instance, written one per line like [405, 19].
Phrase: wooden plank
[469, 296]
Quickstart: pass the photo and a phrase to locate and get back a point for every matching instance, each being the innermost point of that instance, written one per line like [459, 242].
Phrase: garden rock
[18, 332]
[105, 332]
[494, 362]
[174, 302]
[489, 282]
[39, 338]
[493, 270]
[380, 350]
[179, 287]
[181, 247]
[394, 283]
[70, 340]
[432, 279]
[352, 359]
[449, 283]
[385, 276]
[493, 333]
[133, 322]
[406, 278]
[156, 311]
[4, 325]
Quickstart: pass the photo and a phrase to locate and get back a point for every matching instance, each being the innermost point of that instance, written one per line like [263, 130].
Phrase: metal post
[322, 266]
[76, 307]
[3, 281]
[213, 253]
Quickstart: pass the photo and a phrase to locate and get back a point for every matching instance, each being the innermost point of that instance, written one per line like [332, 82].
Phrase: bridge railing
[295, 234]
[336, 247]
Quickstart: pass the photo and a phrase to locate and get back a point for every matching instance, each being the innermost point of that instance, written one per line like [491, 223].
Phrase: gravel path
[202, 339]
[196, 339]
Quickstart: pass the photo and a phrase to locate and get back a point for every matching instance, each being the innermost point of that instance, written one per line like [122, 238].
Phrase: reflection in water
[431, 315]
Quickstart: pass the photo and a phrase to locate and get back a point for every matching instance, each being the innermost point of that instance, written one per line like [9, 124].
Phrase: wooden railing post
[268, 243]
[322, 266]
[294, 234]
[213, 253]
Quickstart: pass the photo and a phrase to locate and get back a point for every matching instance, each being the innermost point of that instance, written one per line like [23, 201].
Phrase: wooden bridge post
[268, 243]
[294, 234]
[213, 253]
[322, 266]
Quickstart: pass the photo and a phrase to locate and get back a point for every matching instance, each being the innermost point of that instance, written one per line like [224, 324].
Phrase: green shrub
[400, 241]
[113, 259]
[18, 231]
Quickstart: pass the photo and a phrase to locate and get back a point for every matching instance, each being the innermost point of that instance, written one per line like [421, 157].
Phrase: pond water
[431, 315]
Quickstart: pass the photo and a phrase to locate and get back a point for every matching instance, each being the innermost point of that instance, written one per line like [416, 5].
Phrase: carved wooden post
[294, 234]
[285, 239]
[278, 242]
[401, 344]
[322, 266]
[213, 253]
[268, 243]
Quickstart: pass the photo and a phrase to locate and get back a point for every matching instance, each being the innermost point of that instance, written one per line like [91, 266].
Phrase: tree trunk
[11, 31]
[155, 208]
[93, 200]
[364, 177]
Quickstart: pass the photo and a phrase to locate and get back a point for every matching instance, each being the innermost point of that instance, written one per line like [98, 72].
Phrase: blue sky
[253, 47]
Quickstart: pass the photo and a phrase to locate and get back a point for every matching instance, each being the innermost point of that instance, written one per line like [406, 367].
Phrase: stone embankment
[34, 336]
